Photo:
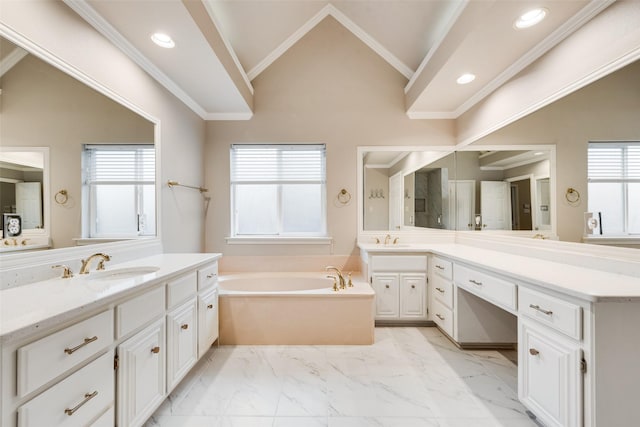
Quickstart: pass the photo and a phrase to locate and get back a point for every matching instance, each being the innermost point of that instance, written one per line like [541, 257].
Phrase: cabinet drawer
[139, 311]
[45, 359]
[442, 267]
[399, 263]
[443, 317]
[74, 401]
[556, 313]
[442, 290]
[486, 286]
[207, 276]
[108, 419]
[180, 289]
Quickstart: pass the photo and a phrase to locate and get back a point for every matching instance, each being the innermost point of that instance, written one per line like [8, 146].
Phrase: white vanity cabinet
[208, 329]
[400, 283]
[441, 293]
[141, 374]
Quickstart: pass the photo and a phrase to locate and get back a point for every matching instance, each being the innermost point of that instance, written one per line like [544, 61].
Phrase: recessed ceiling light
[466, 78]
[531, 18]
[163, 40]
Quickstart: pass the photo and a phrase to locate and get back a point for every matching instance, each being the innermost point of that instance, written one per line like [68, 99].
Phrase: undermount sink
[122, 273]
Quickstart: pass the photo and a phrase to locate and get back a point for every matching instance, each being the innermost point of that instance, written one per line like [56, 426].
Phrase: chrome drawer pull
[440, 290]
[79, 346]
[537, 307]
[475, 282]
[185, 326]
[533, 352]
[87, 397]
[210, 306]
[439, 316]
[155, 350]
[439, 267]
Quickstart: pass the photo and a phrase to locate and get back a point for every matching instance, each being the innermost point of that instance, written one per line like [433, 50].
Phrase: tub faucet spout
[339, 273]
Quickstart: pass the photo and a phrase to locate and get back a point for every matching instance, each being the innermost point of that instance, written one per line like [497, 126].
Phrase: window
[119, 190]
[278, 190]
[614, 186]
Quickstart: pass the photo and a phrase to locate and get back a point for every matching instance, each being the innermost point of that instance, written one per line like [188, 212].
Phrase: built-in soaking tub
[294, 308]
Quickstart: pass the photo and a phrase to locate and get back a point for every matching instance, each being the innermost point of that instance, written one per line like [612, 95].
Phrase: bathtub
[294, 309]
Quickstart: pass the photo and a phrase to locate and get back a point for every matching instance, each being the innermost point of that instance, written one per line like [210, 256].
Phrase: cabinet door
[387, 296]
[207, 320]
[413, 295]
[182, 342]
[549, 376]
[141, 375]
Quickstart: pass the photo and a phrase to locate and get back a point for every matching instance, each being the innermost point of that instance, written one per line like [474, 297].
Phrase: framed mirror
[46, 108]
[503, 189]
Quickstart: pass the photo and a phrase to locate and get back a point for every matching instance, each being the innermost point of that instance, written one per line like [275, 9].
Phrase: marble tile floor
[410, 377]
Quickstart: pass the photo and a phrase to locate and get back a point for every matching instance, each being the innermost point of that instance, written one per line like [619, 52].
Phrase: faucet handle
[350, 284]
[66, 272]
[101, 263]
[335, 282]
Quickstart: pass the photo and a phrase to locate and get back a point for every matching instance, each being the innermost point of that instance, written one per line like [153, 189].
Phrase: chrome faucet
[387, 238]
[87, 262]
[343, 285]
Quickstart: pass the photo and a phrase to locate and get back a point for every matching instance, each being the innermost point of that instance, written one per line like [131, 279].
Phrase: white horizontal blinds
[265, 164]
[614, 162]
[120, 164]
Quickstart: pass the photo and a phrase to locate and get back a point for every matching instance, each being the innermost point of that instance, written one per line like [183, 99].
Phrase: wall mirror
[506, 188]
[42, 106]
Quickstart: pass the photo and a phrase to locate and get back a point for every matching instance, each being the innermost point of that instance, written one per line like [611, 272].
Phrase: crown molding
[330, 10]
[431, 115]
[88, 13]
[12, 59]
[228, 116]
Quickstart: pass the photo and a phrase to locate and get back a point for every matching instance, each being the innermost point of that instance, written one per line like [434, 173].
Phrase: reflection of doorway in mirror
[495, 205]
[29, 204]
[462, 204]
[522, 195]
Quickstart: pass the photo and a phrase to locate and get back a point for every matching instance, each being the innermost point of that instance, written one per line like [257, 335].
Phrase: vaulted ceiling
[222, 45]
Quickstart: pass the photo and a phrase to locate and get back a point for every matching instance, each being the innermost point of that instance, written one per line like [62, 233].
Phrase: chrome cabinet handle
[533, 352]
[185, 326]
[440, 290]
[210, 306]
[155, 350]
[439, 267]
[79, 346]
[537, 308]
[87, 397]
[475, 282]
[439, 316]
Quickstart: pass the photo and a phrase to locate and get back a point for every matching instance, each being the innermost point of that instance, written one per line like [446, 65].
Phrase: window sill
[82, 241]
[620, 240]
[279, 240]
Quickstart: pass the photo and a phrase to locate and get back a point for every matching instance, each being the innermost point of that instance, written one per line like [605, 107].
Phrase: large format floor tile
[409, 377]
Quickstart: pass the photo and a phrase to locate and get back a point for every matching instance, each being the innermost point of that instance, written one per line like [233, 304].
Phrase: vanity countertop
[26, 309]
[584, 283]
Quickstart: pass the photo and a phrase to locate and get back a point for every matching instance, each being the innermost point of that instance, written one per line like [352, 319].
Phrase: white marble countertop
[28, 308]
[584, 283]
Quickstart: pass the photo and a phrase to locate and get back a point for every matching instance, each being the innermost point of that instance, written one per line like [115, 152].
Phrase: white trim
[621, 240]
[88, 13]
[272, 240]
[12, 59]
[212, 16]
[327, 10]
[228, 116]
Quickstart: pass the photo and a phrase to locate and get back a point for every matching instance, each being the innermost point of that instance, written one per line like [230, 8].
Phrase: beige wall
[42, 106]
[328, 88]
[606, 110]
[54, 27]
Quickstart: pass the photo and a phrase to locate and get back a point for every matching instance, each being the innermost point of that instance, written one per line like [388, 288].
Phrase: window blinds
[278, 164]
[619, 161]
[119, 164]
